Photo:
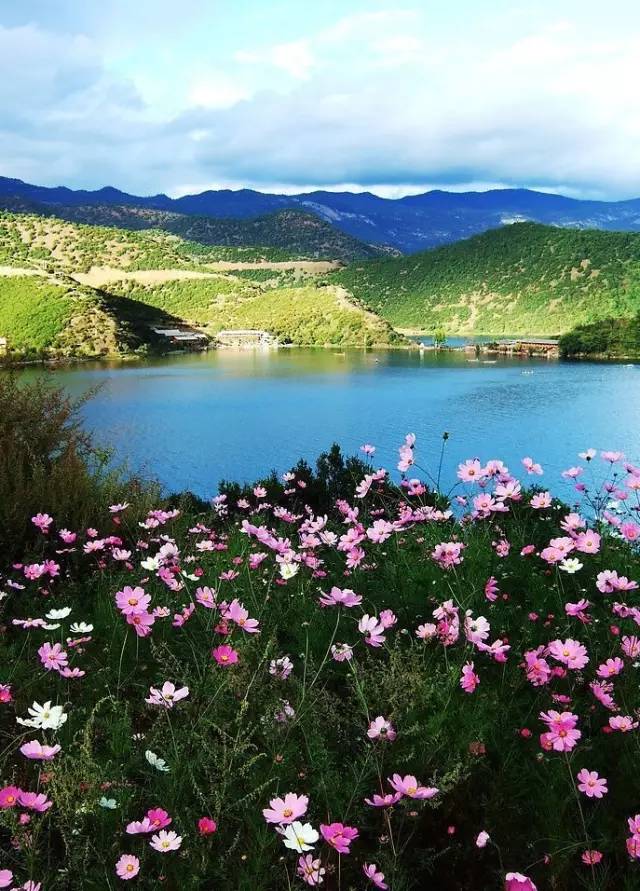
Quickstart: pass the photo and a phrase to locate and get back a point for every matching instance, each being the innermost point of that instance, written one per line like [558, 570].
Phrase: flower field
[400, 689]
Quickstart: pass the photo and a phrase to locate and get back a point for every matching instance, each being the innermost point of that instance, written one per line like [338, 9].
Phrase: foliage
[48, 461]
[610, 338]
[520, 279]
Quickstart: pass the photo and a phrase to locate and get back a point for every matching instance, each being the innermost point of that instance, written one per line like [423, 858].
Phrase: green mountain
[76, 290]
[293, 233]
[520, 279]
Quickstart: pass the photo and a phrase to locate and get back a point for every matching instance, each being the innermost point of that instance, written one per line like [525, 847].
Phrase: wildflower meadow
[368, 683]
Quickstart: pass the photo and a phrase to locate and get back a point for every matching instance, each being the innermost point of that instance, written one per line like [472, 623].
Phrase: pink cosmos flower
[164, 841]
[225, 655]
[310, 869]
[591, 858]
[141, 623]
[562, 735]
[531, 467]
[37, 752]
[127, 867]
[610, 668]
[516, 881]
[482, 839]
[206, 826]
[373, 630]
[448, 554]
[570, 652]
[53, 657]
[339, 836]
[469, 679]
[287, 809]
[541, 501]
[6, 878]
[380, 531]
[591, 783]
[588, 542]
[139, 827]
[132, 600]
[471, 471]
[631, 646]
[410, 786]
[236, 612]
[167, 695]
[5, 693]
[34, 801]
[9, 796]
[206, 597]
[340, 597]
[380, 728]
[386, 800]
[374, 875]
[158, 818]
[43, 522]
[622, 723]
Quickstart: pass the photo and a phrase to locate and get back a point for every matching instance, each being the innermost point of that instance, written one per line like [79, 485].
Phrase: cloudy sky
[394, 97]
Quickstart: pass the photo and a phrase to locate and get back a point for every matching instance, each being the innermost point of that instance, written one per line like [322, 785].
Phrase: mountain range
[408, 224]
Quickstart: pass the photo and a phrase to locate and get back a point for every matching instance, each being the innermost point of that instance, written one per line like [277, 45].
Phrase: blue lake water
[193, 420]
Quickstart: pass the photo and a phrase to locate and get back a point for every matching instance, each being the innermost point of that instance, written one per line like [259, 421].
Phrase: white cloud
[215, 90]
[295, 58]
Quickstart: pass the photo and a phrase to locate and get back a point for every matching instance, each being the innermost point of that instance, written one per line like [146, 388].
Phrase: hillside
[408, 224]
[75, 290]
[520, 279]
[287, 233]
[610, 338]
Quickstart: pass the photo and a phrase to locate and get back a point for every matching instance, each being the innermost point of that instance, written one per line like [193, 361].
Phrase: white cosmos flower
[571, 565]
[80, 628]
[299, 837]
[155, 761]
[108, 803]
[151, 563]
[51, 627]
[54, 614]
[288, 570]
[47, 716]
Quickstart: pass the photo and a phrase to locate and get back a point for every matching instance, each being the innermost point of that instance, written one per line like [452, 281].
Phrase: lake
[192, 420]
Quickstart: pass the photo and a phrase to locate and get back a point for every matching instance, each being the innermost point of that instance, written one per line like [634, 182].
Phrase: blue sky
[289, 95]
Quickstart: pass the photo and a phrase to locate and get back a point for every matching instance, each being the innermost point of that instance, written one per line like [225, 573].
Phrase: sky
[393, 97]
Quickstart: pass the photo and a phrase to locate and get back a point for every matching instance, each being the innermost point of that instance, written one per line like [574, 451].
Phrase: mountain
[521, 279]
[68, 289]
[407, 224]
[296, 233]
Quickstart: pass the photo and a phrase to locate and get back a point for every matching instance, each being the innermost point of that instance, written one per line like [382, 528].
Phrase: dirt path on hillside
[10, 271]
[103, 275]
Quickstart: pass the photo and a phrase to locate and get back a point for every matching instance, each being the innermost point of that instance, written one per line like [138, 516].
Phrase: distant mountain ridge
[408, 224]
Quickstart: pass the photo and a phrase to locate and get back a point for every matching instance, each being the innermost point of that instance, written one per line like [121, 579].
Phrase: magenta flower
[6, 878]
[287, 809]
[167, 695]
[225, 655]
[42, 521]
[593, 785]
[127, 867]
[386, 800]
[374, 875]
[206, 826]
[238, 614]
[9, 796]
[339, 836]
[141, 623]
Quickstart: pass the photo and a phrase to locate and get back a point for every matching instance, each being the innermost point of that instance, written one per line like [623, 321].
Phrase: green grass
[610, 338]
[519, 279]
[33, 313]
